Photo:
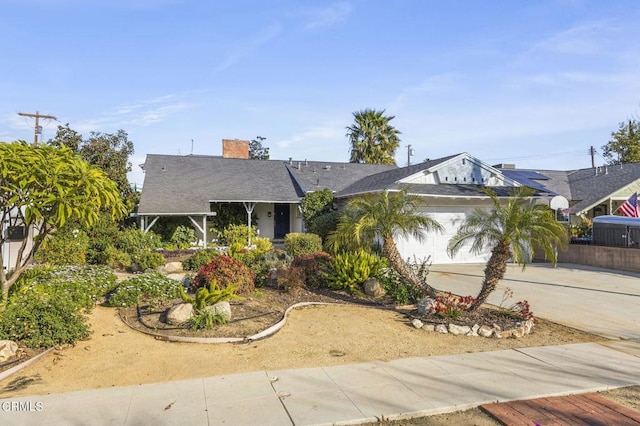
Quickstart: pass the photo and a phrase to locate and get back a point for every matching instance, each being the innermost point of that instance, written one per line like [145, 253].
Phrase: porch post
[249, 208]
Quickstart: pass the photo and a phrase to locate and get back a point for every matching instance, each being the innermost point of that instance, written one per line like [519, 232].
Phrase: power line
[38, 127]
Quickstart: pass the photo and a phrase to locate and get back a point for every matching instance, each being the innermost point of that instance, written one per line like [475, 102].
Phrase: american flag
[630, 207]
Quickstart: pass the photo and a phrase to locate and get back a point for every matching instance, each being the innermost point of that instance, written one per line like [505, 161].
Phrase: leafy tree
[624, 146]
[317, 211]
[256, 150]
[373, 140]
[110, 152]
[382, 216]
[44, 187]
[514, 229]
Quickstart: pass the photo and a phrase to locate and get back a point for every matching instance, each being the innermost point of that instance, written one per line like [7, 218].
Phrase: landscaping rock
[429, 327]
[373, 288]
[485, 331]
[441, 328]
[457, 330]
[223, 308]
[171, 268]
[425, 306]
[179, 313]
[417, 323]
[8, 348]
[474, 331]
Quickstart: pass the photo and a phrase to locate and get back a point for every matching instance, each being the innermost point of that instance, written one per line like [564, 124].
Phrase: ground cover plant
[153, 288]
[48, 305]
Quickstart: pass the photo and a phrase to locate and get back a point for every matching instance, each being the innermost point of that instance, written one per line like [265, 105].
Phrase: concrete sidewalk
[347, 394]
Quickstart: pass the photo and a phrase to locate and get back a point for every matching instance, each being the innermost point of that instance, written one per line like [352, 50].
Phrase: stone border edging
[261, 335]
[7, 373]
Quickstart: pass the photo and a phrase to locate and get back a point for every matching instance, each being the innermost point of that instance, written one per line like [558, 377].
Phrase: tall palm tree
[380, 217]
[373, 139]
[514, 229]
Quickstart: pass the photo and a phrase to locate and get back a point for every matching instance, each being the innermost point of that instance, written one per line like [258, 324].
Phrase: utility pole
[38, 129]
[592, 151]
[409, 154]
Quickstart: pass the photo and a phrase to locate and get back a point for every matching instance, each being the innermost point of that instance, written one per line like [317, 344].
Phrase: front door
[281, 221]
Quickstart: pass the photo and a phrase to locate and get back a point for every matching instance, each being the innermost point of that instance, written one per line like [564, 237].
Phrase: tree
[110, 152]
[381, 216]
[514, 229]
[256, 150]
[43, 187]
[624, 146]
[373, 140]
[318, 212]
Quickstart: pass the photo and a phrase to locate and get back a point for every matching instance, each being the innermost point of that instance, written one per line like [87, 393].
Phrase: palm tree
[381, 216]
[373, 139]
[513, 230]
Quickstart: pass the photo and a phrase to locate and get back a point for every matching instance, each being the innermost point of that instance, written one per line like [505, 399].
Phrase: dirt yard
[116, 355]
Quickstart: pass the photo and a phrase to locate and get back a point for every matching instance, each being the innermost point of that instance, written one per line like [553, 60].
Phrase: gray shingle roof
[187, 184]
[586, 188]
[318, 175]
[385, 180]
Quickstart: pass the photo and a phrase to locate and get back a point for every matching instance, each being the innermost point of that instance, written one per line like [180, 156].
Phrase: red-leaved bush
[316, 267]
[226, 271]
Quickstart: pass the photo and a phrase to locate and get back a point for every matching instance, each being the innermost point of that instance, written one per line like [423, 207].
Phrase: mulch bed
[258, 311]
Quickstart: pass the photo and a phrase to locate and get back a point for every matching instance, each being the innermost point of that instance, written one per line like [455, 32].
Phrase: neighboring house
[451, 188]
[12, 234]
[591, 192]
[194, 186]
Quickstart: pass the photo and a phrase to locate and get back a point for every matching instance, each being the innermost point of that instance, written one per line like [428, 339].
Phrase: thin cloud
[328, 16]
[243, 48]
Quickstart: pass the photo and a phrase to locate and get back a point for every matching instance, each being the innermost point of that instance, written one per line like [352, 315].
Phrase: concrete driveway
[601, 301]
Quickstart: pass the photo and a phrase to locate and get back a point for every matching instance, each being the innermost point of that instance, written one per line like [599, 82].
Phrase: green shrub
[227, 272]
[183, 237]
[199, 259]
[117, 259]
[46, 306]
[324, 224]
[291, 279]
[238, 234]
[316, 266]
[151, 287]
[102, 234]
[398, 288]
[298, 244]
[265, 266]
[352, 269]
[68, 246]
[134, 241]
[144, 261]
[43, 320]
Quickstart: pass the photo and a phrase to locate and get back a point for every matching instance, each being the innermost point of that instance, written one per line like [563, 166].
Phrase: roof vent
[305, 162]
[290, 161]
[299, 165]
[327, 167]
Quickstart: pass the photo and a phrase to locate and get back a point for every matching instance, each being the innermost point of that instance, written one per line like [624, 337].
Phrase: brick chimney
[235, 148]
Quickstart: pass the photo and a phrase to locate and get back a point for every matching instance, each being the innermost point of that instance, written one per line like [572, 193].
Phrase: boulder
[485, 331]
[223, 308]
[373, 288]
[171, 268]
[429, 327]
[8, 348]
[425, 306]
[179, 313]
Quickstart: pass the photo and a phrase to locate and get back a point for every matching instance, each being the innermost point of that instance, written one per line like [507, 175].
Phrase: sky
[534, 83]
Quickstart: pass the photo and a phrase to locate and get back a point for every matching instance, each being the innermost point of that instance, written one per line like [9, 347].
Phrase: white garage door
[435, 245]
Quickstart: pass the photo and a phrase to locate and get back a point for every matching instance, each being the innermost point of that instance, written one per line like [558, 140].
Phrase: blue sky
[534, 83]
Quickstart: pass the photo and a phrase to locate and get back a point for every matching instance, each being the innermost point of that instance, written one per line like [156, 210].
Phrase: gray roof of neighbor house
[585, 188]
[178, 185]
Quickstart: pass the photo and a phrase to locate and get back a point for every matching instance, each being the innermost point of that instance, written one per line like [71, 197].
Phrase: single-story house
[190, 185]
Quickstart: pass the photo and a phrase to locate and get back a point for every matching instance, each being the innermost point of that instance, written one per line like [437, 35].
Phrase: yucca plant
[352, 269]
[204, 297]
